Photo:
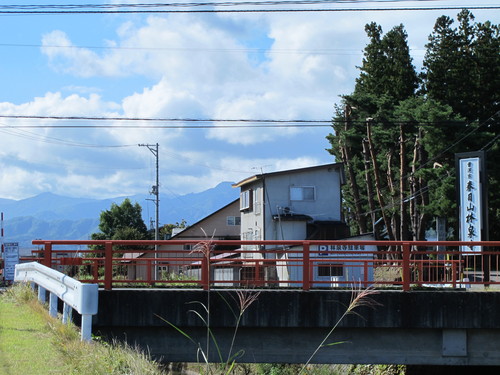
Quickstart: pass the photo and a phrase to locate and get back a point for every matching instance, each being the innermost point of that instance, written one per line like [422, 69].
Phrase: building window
[330, 270]
[188, 247]
[257, 202]
[233, 220]
[302, 193]
[256, 235]
[246, 200]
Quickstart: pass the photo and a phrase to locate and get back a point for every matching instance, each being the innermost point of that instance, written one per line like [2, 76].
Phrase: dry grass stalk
[359, 297]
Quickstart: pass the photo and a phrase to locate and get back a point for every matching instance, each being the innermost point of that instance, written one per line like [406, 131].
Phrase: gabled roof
[289, 171]
[205, 218]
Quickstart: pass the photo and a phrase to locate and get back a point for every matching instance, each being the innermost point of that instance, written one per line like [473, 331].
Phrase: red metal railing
[292, 264]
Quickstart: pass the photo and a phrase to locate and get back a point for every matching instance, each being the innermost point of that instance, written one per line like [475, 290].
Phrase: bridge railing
[276, 264]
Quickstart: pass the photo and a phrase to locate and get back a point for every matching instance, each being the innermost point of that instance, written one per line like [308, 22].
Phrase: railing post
[306, 269]
[149, 266]
[406, 266]
[108, 265]
[256, 275]
[95, 269]
[455, 275]
[365, 272]
[47, 255]
[205, 273]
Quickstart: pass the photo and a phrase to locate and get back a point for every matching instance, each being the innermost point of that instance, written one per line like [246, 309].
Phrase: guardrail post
[86, 327]
[53, 305]
[42, 294]
[67, 313]
[406, 266]
[108, 265]
[47, 254]
[306, 267]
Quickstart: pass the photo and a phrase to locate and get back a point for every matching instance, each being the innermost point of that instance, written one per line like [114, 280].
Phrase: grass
[32, 342]
[25, 341]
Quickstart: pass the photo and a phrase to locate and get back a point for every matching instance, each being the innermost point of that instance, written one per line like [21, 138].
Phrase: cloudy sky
[225, 66]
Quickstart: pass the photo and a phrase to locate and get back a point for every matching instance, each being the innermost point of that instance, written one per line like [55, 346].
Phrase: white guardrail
[75, 295]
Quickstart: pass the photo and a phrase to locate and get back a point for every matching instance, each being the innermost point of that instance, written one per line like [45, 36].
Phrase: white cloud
[189, 66]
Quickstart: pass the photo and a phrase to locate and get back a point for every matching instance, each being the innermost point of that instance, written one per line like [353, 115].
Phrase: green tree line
[398, 131]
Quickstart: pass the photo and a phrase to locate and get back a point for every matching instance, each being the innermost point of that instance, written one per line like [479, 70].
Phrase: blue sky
[278, 66]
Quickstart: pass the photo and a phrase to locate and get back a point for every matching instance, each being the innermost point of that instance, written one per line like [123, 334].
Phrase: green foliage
[387, 66]
[462, 66]
[166, 230]
[398, 141]
[277, 369]
[122, 222]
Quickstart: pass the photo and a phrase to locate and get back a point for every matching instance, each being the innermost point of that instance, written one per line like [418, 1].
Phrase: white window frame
[246, 200]
[257, 202]
[297, 193]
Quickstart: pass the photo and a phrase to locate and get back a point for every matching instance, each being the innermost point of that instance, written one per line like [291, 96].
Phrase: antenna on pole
[155, 190]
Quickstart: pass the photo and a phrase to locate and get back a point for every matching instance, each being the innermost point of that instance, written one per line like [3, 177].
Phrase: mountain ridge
[51, 216]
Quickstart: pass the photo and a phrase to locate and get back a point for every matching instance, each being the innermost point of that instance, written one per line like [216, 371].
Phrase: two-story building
[296, 204]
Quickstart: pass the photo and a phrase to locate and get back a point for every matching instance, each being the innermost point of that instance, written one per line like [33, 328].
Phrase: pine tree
[462, 66]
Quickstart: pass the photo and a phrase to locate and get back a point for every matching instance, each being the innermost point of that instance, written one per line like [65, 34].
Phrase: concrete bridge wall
[416, 328]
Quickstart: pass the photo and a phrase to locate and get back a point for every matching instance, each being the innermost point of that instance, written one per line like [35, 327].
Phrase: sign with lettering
[470, 202]
[11, 258]
[344, 251]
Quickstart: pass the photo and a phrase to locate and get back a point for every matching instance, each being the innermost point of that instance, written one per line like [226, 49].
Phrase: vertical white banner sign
[11, 254]
[470, 202]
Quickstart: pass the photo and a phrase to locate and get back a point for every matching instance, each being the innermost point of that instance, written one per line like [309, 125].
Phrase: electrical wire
[13, 131]
[494, 7]
[164, 7]
[200, 123]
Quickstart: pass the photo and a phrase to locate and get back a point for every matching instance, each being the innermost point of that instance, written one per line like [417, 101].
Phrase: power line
[210, 123]
[191, 4]
[163, 7]
[323, 51]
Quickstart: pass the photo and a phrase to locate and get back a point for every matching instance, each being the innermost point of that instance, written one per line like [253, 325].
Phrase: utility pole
[155, 190]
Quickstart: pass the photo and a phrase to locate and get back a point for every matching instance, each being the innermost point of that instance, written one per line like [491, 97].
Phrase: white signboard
[345, 251]
[11, 258]
[470, 202]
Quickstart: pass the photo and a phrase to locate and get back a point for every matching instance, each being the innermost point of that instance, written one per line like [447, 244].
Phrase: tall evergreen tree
[389, 153]
[462, 69]
[462, 66]
[366, 139]
[398, 142]
[387, 65]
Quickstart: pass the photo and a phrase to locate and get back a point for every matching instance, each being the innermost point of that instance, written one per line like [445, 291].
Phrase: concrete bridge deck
[425, 327]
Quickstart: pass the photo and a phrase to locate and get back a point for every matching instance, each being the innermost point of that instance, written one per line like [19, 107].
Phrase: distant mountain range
[49, 216]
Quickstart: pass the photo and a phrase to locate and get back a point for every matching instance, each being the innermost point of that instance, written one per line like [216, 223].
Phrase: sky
[202, 66]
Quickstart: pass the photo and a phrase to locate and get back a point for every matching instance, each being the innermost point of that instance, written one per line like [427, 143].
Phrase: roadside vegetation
[32, 342]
